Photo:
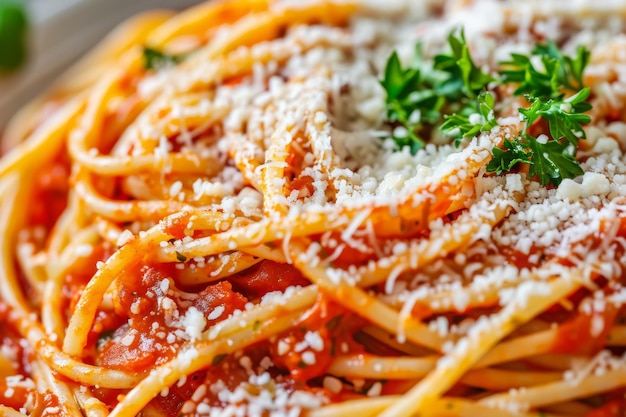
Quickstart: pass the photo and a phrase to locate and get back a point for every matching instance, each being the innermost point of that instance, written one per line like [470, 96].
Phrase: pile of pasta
[232, 232]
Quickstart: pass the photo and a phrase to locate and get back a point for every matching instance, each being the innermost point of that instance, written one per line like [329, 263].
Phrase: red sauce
[176, 224]
[328, 320]
[348, 255]
[220, 294]
[252, 283]
[574, 336]
[142, 342]
[136, 345]
[421, 310]
[231, 373]
[304, 185]
[50, 193]
[178, 394]
[82, 270]
[13, 396]
[615, 408]
[517, 258]
[49, 403]
[267, 276]
[234, 80]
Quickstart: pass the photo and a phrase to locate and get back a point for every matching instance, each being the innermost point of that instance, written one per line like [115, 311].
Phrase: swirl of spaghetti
[321, 208]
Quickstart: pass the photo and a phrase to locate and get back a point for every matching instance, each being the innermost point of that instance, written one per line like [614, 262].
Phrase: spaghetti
[231, 231]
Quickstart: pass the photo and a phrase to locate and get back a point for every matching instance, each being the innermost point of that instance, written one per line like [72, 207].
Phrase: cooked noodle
[229, 236]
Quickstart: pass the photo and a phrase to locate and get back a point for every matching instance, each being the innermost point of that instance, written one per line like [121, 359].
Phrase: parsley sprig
[547, 72]
[551, 158]
[458, 64]
[477, 116]
[452, 94]
[419, 96]
[409, 103]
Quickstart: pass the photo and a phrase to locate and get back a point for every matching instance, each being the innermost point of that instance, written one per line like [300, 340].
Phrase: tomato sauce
[152, 304]
[266, 276]
[134, 337]
[49, 404]
[51, 186]
[331, 324]
[146, 339]
[347, 255]
[615, 408]
[575, 335]
[13, 396]
[177, 394]
[175, 225]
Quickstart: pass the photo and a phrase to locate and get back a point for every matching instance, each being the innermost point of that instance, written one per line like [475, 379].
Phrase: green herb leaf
[565, 117]
[477, 116]
[104, 337]
[13, 31]
[398, 82]
[155, 59]
[403, 101]
[418, 97]
[546, 72]
[532, 81]
[511, 154]
[451, 93]
[333, 323]
[544, 78]
[180, 257]
[570, 70]
[460, 65]
[554, 158]
[552, 162]
[217, 359]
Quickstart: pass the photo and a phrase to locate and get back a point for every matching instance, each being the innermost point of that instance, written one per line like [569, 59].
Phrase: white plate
[60, 32]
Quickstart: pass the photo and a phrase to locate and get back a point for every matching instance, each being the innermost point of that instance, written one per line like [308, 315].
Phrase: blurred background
[40, 38]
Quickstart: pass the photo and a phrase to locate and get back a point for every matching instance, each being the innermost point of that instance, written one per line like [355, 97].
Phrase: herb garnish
[219, 358]
[155, 59]
[104, 337]
[406, 102]
[477, 116]
[419, 97]
[452, 94]
[546, 72]
[13, 28]
[553, 158]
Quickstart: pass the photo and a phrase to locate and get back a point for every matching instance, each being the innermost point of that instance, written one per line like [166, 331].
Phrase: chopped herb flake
[217, 359]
